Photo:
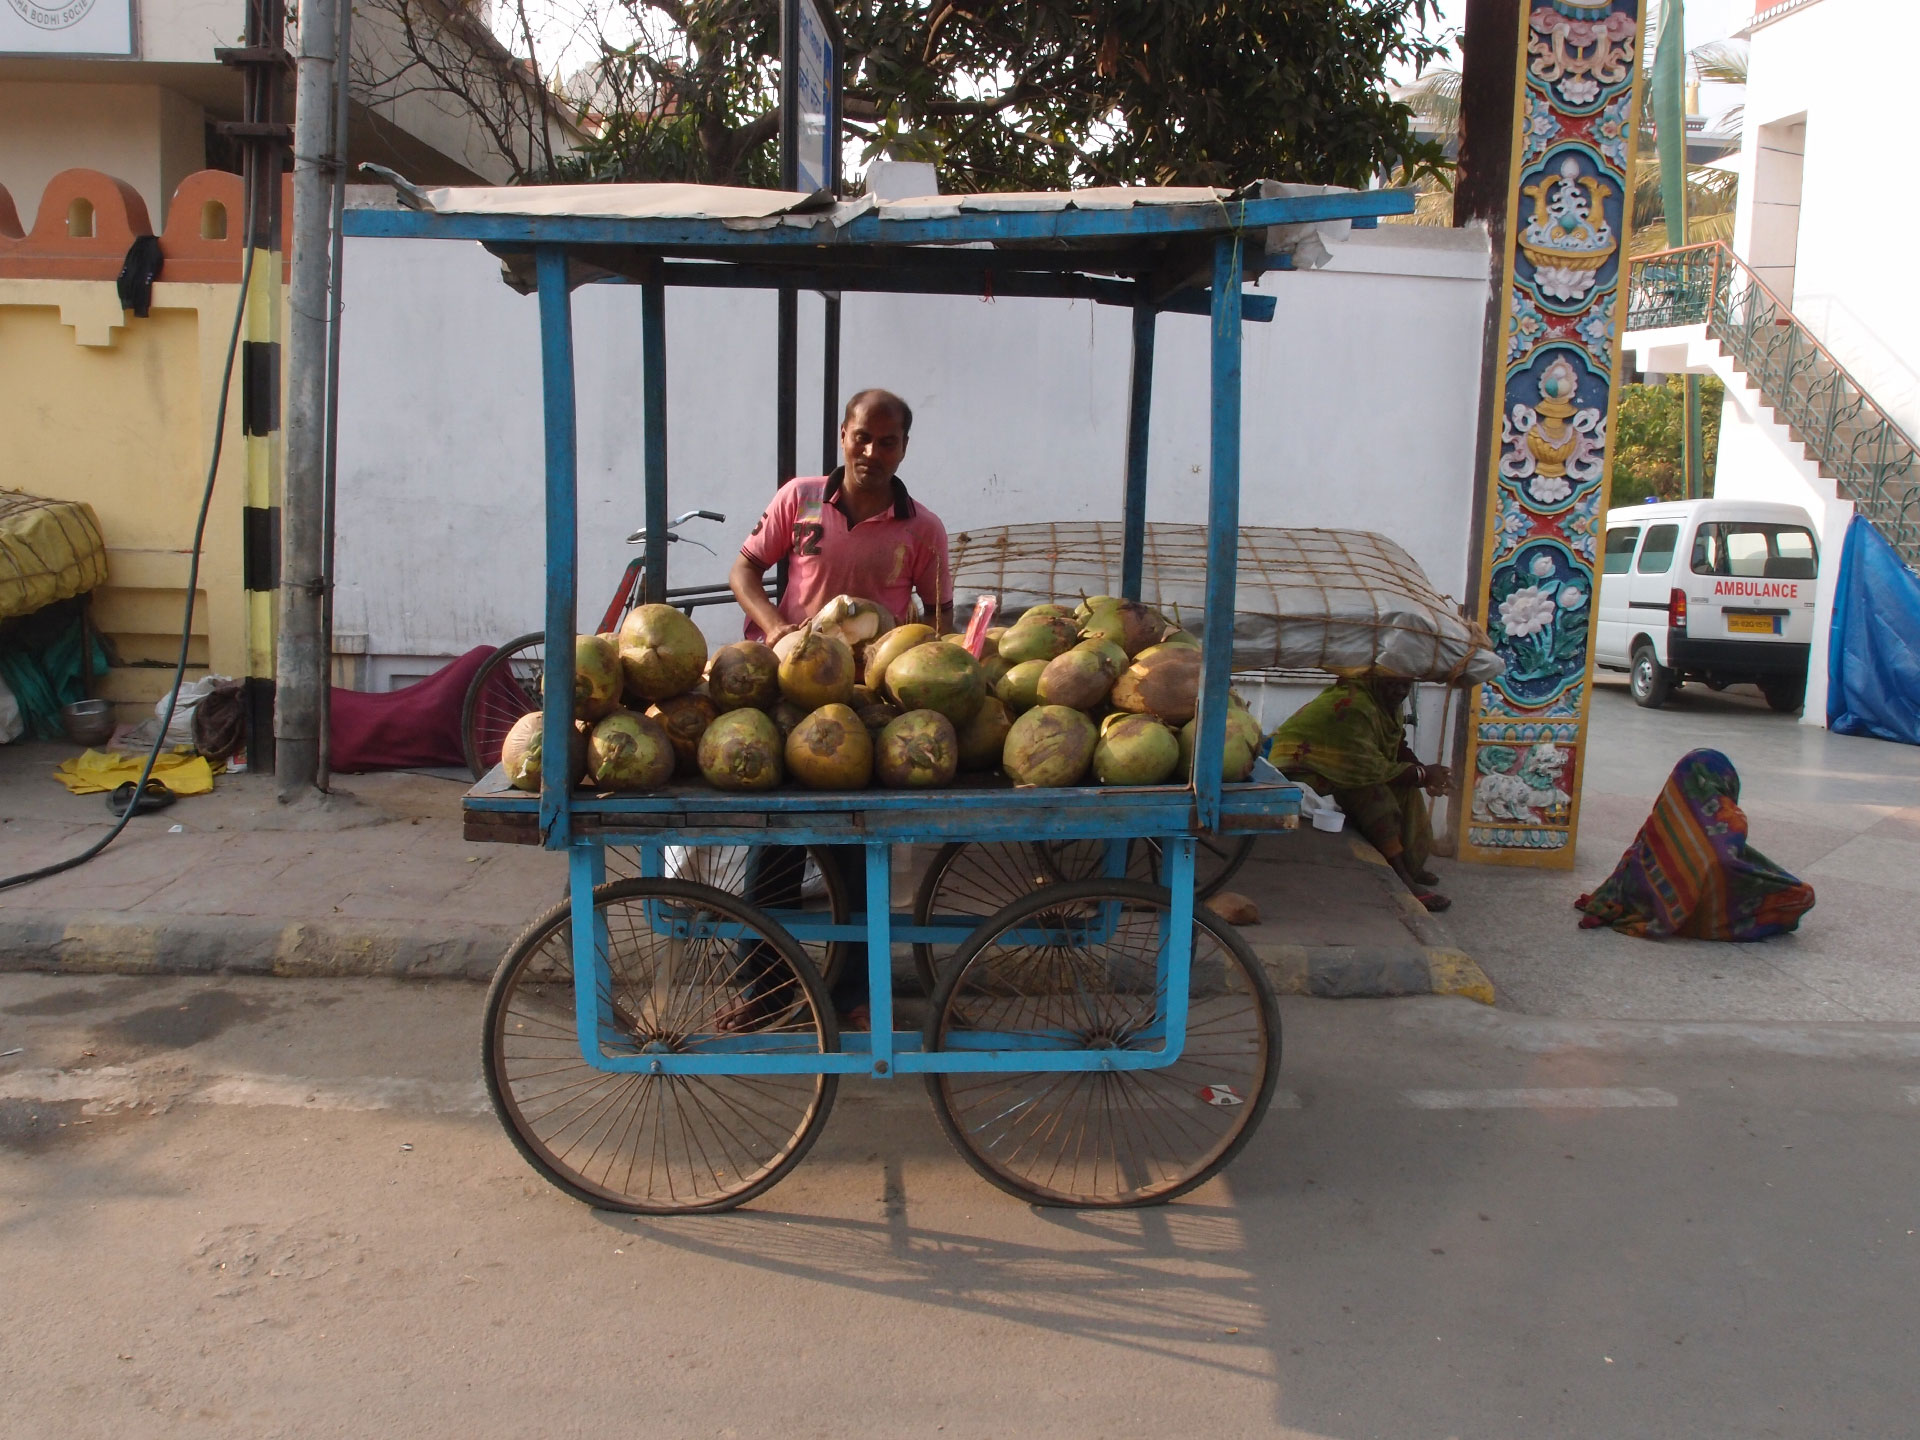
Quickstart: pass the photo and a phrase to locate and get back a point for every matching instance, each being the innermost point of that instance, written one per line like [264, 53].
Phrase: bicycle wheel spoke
[1080, 963]
[640, 1141]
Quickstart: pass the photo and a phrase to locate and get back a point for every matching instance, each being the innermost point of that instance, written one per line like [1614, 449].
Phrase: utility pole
[303, 659]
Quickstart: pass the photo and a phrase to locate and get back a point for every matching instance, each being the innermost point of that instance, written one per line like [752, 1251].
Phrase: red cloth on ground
[416, 726]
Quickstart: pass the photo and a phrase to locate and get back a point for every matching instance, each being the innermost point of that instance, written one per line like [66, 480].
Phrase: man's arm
[746, 580]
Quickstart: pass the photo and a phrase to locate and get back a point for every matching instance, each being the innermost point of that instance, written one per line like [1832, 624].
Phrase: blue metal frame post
[556, 387]
[1223, 528]
[653, 361]
[879, 862]
[1139, 426]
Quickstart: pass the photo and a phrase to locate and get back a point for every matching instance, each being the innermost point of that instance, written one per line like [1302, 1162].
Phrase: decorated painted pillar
[1568, 216]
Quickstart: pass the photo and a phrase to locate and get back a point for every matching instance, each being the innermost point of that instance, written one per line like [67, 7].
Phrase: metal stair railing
[1874, 462]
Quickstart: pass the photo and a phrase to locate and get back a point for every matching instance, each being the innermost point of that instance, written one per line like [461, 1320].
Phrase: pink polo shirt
[887, 557]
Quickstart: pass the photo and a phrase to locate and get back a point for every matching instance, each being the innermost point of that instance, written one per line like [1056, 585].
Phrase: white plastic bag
[12, 723]
[180, 729]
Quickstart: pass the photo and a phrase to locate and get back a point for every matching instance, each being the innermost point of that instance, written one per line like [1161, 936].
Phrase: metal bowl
[88, 722]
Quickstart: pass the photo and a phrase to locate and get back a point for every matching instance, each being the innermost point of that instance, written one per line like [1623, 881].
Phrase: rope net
[49, 550]
[1304, 599]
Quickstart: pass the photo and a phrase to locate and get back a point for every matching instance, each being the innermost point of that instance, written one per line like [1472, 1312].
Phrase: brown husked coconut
[1079, 679]
[1127, 623]
[1163, 680]
[742, 751]
[831, 750]
[685, 719]
[785, 715]
[890, 647]
[917, 751]
[742, 674]
[662, 653]
[818, 671]
[628, 751]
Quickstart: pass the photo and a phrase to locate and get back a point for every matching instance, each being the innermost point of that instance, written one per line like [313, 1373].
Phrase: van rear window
[1620, 543]
[1755, 550]
[1656, 556]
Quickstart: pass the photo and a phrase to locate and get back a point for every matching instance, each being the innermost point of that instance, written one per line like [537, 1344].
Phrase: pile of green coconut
[1106, 689]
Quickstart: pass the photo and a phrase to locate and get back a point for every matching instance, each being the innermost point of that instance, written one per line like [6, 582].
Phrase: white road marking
[1575, 1098]
[118, 1087]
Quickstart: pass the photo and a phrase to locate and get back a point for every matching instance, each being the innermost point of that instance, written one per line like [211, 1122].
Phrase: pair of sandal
[1431, 900]
[156, 796]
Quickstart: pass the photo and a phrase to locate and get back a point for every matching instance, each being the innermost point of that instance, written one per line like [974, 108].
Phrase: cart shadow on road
[1165, 1282]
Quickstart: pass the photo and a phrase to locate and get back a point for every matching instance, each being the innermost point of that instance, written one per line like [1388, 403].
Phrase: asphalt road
[279, 1208]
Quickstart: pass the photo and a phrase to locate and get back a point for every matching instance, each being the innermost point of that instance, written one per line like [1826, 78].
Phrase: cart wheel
[505, 687]
[725, 868]
[650, 1144]
[1216, 859]
[1074, 967]
[978, 879]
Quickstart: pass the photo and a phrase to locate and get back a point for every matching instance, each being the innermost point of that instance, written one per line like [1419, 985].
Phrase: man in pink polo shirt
[854, 532]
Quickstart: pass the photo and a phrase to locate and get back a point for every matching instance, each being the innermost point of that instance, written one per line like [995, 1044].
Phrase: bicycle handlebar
[639, 536]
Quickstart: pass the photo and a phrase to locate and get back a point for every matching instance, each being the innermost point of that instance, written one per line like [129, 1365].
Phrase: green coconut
[1135, 750]
[630, 751]
[1091, 603]
[685, 719]
[1020, 686]
[1042, 612]
[916, 752]
[938, 677]
[1079, 679]
[1049, 745]
[520, 752]
[1164, 681]
[985, 736]
[890, 647]
[1177, 636]
[831, 750]
[596, 678]
[1112, 658]
[994, 632]
[992, 668]
[662, 653]
[1242, 744]
[1039, 639]
[743, 673]
[1127, 623]
[742, 750]
[818, 671]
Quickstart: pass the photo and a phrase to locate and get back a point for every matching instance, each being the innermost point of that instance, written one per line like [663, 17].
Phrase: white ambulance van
[1720, 591]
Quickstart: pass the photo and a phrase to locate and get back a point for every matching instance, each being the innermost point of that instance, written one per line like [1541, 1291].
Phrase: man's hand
[779, 632]
[1439, 780]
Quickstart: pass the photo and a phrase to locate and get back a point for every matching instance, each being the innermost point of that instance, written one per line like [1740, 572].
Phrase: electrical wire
[193, 578]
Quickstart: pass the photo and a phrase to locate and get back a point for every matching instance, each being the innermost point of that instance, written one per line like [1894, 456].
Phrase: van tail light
[1677, 609]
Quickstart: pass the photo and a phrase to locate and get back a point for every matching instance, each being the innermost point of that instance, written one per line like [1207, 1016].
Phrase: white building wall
[1360, 405]
[1846, 67]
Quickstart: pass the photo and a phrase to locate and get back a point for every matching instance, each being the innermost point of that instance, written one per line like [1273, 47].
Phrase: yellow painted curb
[1454, 972]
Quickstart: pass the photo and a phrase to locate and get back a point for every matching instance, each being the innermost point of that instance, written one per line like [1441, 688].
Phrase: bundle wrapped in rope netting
[1304, 599]
[49, 550]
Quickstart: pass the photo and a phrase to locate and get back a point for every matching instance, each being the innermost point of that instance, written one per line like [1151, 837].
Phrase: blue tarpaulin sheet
[1873, 671]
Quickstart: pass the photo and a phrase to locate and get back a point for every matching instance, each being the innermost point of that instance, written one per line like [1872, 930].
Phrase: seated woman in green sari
[1350, 742]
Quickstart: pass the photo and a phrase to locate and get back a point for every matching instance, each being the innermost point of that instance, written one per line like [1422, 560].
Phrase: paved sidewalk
[377, 880]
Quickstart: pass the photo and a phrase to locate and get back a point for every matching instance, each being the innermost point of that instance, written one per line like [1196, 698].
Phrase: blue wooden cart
[663, 1045]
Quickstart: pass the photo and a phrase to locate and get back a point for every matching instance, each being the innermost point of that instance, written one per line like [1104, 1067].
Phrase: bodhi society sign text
[66, 27]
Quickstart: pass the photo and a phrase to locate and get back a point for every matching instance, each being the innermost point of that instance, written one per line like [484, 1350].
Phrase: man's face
[873, 443]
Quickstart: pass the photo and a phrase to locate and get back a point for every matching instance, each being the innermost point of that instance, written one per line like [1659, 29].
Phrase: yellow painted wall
[102, 406]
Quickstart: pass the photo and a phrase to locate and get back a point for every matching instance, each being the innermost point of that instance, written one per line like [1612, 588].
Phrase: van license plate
[1753, 625]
